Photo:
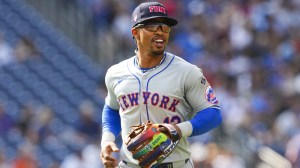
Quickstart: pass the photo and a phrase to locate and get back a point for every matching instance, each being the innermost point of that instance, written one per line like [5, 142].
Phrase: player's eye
[154, 27]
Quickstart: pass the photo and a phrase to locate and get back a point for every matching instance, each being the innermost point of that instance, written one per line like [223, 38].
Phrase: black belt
[165, 165]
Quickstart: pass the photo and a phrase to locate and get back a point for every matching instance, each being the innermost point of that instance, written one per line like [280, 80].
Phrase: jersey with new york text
[173, 92]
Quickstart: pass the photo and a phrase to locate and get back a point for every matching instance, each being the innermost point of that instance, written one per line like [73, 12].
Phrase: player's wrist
[185, 128]
[172, 130]
[107, 137]
[178, 130]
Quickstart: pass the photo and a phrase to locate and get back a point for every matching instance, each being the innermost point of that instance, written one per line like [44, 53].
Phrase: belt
[165, 165]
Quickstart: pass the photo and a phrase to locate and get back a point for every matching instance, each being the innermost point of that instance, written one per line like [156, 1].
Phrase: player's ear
[135, 34]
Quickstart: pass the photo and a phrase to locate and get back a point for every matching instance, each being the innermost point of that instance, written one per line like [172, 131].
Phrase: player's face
[153, 37]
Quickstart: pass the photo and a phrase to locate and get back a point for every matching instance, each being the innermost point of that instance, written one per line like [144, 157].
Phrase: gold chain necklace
[149, 69]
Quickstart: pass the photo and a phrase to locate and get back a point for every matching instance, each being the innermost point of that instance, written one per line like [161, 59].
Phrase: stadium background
[54, 54]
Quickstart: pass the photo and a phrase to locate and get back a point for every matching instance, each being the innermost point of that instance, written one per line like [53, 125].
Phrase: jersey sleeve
[111, 99]
[198, 92]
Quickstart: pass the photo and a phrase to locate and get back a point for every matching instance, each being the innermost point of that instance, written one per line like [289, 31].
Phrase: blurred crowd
[248, 49]
[38, 126]
[23, 50]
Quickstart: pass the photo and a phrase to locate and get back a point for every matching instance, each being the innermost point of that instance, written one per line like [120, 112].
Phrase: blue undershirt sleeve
[111, 120]
[205, 120]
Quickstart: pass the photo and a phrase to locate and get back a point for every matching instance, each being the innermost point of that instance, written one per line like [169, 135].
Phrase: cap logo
[157, 9]
[135, 18]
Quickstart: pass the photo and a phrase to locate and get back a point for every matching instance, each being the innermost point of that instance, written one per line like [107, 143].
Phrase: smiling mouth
[159, 42]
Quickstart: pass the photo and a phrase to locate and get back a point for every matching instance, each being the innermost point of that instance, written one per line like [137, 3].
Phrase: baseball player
[157, 86]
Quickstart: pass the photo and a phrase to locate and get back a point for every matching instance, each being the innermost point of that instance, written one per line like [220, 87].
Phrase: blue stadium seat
[10, 152]
[14, 137]
[44, 159]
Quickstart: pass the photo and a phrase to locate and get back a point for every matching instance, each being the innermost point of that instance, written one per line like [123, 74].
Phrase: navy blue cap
[150, 10]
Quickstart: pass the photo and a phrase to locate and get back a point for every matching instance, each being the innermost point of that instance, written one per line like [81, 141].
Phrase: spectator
[6, 51]
[26, 158]
[25, 119]
[3, 162]
[73, 160]
[102, 14]
[83, 157]
[25, 49]
[90, 155]
[226, 159]
[293, 151]
[6, 122]
[87, 126]
[45, 118]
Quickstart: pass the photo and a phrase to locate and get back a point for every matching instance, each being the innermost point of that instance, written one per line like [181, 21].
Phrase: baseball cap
[150, 10]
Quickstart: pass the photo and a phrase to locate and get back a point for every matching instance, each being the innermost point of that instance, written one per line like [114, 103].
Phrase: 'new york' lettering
[148, 98]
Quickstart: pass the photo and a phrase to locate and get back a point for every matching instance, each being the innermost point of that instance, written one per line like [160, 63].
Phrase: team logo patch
[210, 95]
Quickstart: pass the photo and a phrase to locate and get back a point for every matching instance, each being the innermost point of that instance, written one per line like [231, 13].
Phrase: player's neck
[149, 61]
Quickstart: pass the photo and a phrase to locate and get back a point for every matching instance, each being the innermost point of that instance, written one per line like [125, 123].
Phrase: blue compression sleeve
[111, 120]
[206, 120]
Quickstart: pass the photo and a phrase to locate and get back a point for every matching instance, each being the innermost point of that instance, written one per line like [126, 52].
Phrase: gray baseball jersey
[173, 92]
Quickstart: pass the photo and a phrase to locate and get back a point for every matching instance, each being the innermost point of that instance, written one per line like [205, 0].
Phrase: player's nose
[159, 30]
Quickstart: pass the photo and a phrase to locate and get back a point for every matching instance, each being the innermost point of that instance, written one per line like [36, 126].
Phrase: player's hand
[151, 143]
[106, 155]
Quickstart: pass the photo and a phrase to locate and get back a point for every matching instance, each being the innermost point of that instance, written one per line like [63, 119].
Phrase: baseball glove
[149, 145]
